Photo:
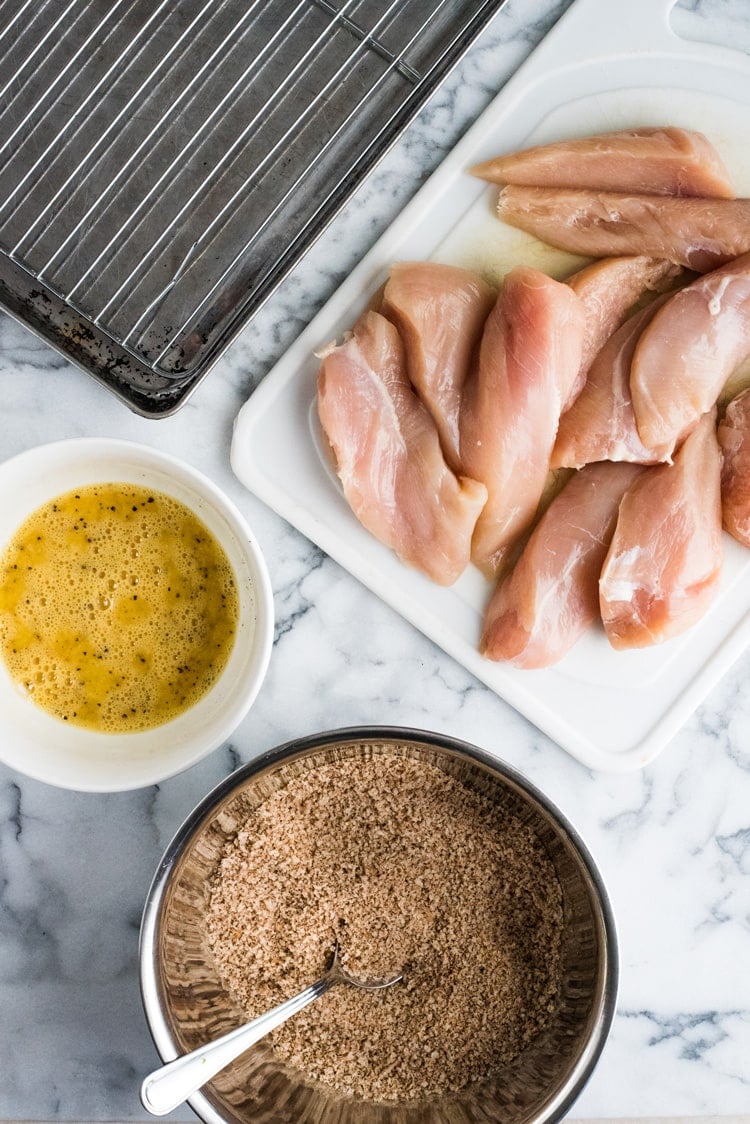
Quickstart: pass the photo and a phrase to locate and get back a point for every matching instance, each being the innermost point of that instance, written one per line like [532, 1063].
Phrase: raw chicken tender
[655, 161]
[529, 358]
[600, 425]
[689, 351]
[663, 567]
[440, 311]
[698, 233]
[734, 439]
[538, 612]
[608, 290]
[388, 454]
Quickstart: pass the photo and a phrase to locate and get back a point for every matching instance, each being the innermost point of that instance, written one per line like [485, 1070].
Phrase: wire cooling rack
[164, 163]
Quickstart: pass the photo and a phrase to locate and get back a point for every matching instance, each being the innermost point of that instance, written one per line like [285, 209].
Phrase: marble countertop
[673, 841]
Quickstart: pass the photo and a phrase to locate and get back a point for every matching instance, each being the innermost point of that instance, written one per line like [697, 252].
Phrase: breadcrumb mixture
[410, 870]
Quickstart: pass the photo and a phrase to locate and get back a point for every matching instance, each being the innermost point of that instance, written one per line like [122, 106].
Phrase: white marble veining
[673, 842]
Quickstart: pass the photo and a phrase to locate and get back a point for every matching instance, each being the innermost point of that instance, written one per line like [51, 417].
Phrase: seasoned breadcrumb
[410, 870]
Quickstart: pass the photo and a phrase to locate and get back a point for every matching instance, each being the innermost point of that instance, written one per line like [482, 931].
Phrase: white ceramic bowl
[46, 748]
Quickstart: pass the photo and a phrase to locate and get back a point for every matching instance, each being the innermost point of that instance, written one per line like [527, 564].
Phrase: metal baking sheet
[164, 163]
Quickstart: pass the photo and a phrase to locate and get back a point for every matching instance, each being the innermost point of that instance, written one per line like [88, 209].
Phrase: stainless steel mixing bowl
[186, 1004]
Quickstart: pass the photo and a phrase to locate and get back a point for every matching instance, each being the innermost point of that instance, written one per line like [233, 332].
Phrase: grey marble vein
[673, 842]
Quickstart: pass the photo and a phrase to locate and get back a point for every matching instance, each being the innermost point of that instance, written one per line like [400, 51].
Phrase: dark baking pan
[165, 163]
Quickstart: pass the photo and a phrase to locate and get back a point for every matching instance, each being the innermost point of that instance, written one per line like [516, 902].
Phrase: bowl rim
[561, 1100]
[151, 457]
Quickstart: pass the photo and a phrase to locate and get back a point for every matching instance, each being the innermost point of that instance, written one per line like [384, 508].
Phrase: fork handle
[171, 1084]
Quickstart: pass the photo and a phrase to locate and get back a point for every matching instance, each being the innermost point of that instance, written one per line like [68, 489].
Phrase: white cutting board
[605, 65]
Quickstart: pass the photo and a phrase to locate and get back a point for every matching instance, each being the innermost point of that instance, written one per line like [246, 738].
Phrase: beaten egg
[118, 607]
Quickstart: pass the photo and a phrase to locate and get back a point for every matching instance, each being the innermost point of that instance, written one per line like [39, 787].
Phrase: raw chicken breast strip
[664, 564]
[439, 311]
[537, 613]
[698, 233]
[689, 351]
[600, 425]
[608, 290]
[652, 161]
[734, 440]
[388, 454]
[529, 358]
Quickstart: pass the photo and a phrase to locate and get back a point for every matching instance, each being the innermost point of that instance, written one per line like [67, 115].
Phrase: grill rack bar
[269, 218]
[362, 33]
[259, 168]
[186, 162]
[89, 98]
[13, 21]
[205, 183]
[92, 37]
[39, 47]
[183, 41]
